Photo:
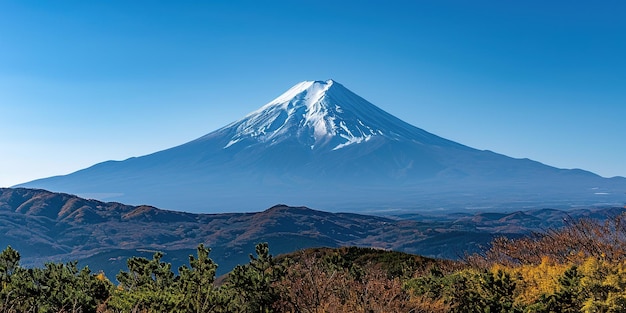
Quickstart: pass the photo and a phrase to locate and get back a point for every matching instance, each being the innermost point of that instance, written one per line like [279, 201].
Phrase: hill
[47, 226]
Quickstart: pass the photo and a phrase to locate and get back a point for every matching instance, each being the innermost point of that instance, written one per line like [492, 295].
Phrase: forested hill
[53, 226]
[578, 268]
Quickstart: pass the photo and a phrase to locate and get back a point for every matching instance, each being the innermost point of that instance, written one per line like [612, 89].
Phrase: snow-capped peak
[314, 89]
[317, 114]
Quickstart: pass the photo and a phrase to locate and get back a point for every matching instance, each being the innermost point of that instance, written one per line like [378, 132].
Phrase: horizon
[83, 83]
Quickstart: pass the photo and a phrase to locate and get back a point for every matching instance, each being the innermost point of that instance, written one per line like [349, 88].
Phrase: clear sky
[88, 81]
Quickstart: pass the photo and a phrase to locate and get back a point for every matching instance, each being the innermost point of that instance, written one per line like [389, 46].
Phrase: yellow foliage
[100, 276]
[604, 282]
[534, 280]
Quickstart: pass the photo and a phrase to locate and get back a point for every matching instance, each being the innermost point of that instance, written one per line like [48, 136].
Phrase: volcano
[323, 146]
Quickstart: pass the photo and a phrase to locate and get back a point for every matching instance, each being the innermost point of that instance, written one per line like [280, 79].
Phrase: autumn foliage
[579, 268]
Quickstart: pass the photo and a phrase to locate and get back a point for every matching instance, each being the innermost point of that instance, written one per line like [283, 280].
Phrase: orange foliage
[313, 286]
[574, 243]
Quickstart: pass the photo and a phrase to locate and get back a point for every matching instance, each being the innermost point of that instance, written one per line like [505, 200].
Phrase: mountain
[321, 145]
[45, 226]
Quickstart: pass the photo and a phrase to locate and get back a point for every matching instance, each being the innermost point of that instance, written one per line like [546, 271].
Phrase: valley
[46, 226]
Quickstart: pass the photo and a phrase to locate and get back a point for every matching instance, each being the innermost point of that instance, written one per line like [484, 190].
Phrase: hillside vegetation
[55, 227]
[579, 268]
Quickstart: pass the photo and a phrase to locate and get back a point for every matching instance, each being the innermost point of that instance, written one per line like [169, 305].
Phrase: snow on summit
[320, 114]
[322, 145]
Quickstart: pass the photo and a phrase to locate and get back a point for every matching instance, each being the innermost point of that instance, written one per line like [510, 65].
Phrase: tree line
[579, 268]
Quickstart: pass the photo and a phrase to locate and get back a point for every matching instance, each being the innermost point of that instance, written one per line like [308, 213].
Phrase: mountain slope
[47, 226]
[70, 225]
[321, 145]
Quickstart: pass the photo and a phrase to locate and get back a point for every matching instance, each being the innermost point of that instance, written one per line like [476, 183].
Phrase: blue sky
[87, 81]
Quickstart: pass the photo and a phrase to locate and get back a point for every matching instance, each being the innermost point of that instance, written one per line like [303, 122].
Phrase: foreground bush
[56, 287]
[580, 268]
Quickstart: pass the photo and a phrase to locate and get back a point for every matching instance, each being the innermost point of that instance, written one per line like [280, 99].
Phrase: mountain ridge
[46, 226]
[319, 138]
